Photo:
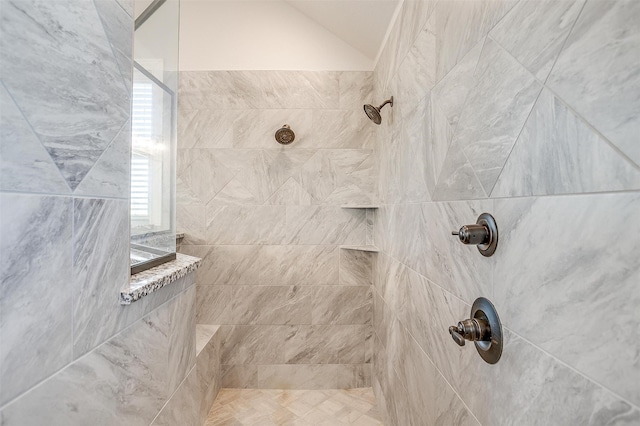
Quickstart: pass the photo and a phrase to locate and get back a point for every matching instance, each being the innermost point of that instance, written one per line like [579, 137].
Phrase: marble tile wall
[294, 309]
[525, 109]
[69, 352]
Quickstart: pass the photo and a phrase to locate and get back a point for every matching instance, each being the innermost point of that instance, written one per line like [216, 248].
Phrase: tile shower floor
[264, 407]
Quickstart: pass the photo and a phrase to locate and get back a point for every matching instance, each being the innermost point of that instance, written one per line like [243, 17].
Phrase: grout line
[529, 342]
[561, 362]
[37, 136]
[90, 352]
[113, 49]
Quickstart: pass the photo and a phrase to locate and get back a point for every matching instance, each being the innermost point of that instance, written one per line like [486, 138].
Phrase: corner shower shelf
[369, 248]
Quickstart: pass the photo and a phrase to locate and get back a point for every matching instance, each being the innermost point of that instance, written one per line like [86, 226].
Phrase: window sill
[153, 279]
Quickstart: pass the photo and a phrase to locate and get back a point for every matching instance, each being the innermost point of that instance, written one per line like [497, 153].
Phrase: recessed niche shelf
[369, 248]
[359, 207]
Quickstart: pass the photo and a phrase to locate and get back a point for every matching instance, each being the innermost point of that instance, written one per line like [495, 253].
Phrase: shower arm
[388, 101]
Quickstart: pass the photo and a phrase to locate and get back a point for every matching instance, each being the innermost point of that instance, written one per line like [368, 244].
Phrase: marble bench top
[154, 279]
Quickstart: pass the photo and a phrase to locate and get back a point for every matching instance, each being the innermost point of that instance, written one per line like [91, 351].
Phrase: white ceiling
[283, 34]
[360, 23]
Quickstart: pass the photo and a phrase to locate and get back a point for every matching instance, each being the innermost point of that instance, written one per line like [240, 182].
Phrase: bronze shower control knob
[483, 328]
[484, 234]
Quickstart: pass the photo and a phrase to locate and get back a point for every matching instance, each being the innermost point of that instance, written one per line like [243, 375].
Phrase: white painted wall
[260, 35]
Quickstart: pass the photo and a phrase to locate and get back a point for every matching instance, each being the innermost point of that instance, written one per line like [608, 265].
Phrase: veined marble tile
[339, 129]
[457, 180]
[121, 382]
[110, 175]
[239, 376]
[35, 290]
[127, 5]
[25, 165]
[430, 399]
[208, 371]
[119, 28]
[182, 337]
[328, 172]
[412, 162]
[342, 305]
[226, 265]
[228, 224]
[325, 344]
[417, 73]
[257, 128]
[206, 128]
[183, 407]
[597, 72]
[495, 112]
[259, 89]
[267, 170]
[43, 42]
[298, 376]
[290, 193]
[438, 134]
[356, 268]
[450, 94]
[545, 392]
[100, 268]
[534, 32]
[190, 220]
[356, 88]
[253, 344]
[581, 282]
[461, 24]
[325, 225]
[194, 164]
[354, 376]
[299, 265]
[249, 305]
[412, 20]
[557, 153]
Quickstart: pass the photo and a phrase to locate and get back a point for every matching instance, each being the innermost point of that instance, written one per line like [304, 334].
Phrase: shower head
[285, 135]
[374, 112]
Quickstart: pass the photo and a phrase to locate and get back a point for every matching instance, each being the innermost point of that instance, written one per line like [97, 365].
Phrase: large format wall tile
[109, 176]
[182, 337]
[558, 153]
[355, 89]
[535, 31]
[25, 165]
[580, 283]
[247, 89]
[493, 116]
[228, 224]
[460, 24]
[495, 112]
[255, 304]
[121, 382]
[183, 408]
[100, 270]
[43, 44]
[597, 72]
[546, 392]
[35, 290]
[325, 225]
[119, 28]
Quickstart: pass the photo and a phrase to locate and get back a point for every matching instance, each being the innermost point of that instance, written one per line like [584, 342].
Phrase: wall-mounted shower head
[374, 112]
[285, 135]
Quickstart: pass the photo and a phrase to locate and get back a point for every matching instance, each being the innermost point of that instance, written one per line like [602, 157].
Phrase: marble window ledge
[153, 279]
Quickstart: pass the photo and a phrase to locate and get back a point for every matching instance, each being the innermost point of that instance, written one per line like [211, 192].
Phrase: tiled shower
[329, 263]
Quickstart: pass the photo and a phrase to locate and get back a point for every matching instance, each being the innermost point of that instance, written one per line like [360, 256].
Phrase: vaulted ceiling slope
[283, 34]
